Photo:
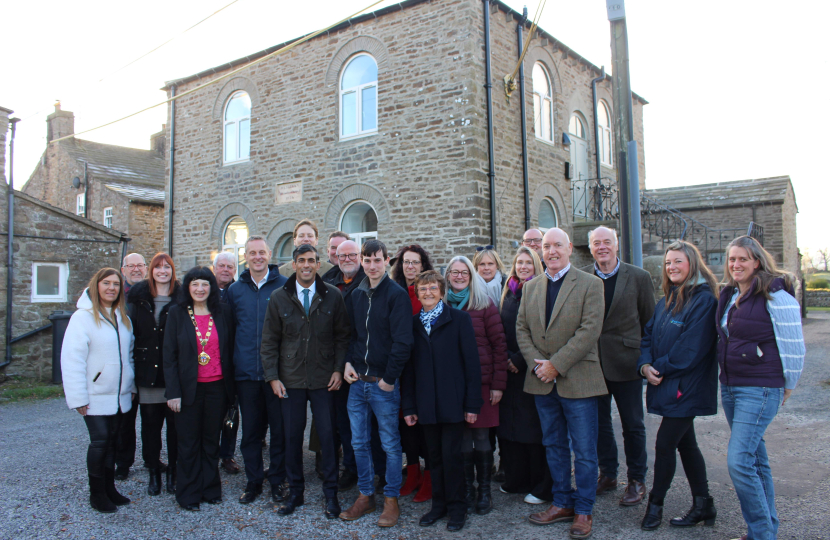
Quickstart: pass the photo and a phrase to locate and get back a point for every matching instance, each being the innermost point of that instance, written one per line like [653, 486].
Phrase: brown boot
[581, 527]
[391, 513]
[554, 514]
[365, 504]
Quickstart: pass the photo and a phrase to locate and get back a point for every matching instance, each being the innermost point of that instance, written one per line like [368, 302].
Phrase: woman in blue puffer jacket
[678, 358]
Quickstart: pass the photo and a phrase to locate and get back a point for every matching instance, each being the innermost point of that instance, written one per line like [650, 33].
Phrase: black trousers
[294, 418]
[526, 469]
[260, 408]
[198, 426]
[227, 445]
[125, 438]
[153, 417]
[413, 443]
[629, 398]
[446, 467]
[103, 431]
[678, 435]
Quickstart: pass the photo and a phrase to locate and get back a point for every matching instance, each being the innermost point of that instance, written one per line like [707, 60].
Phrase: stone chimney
[4, 134]
[158, 141]
[59, 123]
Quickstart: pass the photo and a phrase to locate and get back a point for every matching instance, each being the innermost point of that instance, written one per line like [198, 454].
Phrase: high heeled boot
[154, 485]
[484, 474]
[703, 509]
[653, 517]
[469, 481]
[170, 477]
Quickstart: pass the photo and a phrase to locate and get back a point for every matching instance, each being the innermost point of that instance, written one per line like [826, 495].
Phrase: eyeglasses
[412, 263]
[532, 241]
[482, 248]
[134, 266]
[350, 256]
[457, 273]
[434, 289]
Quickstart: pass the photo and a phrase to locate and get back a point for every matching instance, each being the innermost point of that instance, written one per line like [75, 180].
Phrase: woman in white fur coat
[98, 379]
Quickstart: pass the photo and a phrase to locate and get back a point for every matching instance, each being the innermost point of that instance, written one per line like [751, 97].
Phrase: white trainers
[530, 499]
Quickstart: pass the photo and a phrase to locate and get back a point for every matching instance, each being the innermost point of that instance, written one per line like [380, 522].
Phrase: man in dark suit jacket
[557, 328]
[629, 304]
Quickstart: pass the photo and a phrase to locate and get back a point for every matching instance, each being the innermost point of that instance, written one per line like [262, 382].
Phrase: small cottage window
[238, 128]
[359, 97]
[49, 281]
[80, 207]
[108, 217]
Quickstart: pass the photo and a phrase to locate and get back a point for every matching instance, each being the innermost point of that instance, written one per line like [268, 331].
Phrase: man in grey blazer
[629, 304]
[558, 326]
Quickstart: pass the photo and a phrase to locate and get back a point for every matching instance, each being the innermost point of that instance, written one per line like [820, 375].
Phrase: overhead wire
[227, 75]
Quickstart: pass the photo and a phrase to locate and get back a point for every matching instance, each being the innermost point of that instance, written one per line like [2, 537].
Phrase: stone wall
[146, 229]
[818, 298]
[424, 172]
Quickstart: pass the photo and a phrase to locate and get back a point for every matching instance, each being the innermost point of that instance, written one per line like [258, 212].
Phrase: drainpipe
[86, 191]
[10, 251]
[172, 155]
[491, 174]
[519, 28]
[596, 124]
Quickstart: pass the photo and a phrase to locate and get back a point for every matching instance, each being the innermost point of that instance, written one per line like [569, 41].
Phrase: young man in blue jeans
[381, 315]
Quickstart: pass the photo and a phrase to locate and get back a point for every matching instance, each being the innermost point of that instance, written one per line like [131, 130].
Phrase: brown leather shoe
[553, 514]
[581, 527]
[391, 513]
[365, 504]
[634, 493]
[605, 483]
[230, 466]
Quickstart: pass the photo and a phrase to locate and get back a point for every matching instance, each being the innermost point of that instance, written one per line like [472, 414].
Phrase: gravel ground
[43, 486]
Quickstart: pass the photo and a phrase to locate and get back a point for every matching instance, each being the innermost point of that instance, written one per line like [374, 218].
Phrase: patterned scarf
[428, 317]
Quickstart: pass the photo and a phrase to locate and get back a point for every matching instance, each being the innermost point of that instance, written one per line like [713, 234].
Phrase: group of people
[395, 358]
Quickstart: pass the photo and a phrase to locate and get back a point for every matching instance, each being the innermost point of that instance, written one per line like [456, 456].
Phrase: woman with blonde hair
[761, 355]
[489, 266]
[677, 358]
[467, 292]
[97, 367]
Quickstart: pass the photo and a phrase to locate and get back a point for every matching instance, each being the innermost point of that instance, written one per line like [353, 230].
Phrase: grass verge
[14, 389]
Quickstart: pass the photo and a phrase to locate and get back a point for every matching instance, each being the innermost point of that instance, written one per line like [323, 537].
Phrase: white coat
[97, 362]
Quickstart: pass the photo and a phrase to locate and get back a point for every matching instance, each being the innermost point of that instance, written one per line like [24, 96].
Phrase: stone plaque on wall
[290, 192]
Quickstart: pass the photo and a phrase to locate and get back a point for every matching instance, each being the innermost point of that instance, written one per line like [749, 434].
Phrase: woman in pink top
[198, 370]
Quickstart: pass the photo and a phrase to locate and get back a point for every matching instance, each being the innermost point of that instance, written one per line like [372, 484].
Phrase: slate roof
[118, 163]
[138, 193]
[741, 192]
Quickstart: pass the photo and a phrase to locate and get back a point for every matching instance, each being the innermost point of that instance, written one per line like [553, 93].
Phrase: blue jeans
[749, 410]
[364, 400]
[575, 418]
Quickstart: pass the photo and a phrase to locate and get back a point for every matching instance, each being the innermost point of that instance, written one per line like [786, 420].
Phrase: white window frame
[80, 209]
[358, 237]
[108, 217]
[606, 155]
[237, 121]
[234, 248]
[555, 214]
[358, 91]
[538, 106]
[63, 278]
[581, 119]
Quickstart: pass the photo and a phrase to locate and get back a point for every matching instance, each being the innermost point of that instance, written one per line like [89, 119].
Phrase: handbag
[231, 420]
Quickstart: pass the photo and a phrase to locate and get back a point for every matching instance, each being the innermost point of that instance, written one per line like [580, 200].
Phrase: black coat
[518, 417]
[181, 351]
[149, 336]
[335, 277]
[443, 378]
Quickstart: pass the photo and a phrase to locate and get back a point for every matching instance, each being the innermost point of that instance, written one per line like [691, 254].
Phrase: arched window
[547, 215]
[238, 128]
[542, 103]
[360, 221]
[604, 134]
[359, 97]
[236, 232]
[284, 249]
[577, 126]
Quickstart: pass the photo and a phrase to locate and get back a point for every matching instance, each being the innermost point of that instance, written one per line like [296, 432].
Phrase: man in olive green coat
[304, 340]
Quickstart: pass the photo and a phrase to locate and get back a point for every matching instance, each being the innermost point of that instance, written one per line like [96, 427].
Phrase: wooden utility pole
[628, 176]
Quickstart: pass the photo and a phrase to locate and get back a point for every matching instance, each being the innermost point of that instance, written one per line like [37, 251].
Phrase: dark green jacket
[303, 351]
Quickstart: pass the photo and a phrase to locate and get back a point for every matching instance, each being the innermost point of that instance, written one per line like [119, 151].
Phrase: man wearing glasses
[134, 270]
[532, 238]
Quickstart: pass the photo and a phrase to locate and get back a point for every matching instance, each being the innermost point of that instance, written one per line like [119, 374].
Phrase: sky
[734, 86]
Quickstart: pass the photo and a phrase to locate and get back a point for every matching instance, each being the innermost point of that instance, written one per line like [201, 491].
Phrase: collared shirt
[311, 290]
[609, 274]
[559, 275]
[262, 282]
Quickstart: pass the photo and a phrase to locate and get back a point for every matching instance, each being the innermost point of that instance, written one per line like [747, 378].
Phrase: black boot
[109, 489]
[653, 517]
[98, 495]
[703, 509]
[170, 477]
[484, 473]
[469, 480]
[154, 485]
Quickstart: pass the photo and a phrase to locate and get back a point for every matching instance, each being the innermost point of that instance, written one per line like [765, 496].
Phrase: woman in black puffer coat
[148, 302]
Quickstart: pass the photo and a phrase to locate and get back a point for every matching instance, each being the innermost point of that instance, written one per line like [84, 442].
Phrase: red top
[413, 297]
[213, 370]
